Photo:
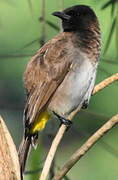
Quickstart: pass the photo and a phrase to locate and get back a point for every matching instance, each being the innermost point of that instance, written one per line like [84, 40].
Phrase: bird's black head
[75, 18]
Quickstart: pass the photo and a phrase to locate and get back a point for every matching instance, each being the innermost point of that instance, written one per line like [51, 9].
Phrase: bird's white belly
[73, 89]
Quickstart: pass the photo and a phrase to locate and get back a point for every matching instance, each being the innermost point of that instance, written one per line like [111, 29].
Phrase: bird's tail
[23, 153]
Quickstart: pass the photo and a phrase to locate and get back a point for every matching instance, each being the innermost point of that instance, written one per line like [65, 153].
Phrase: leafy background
[21, 34]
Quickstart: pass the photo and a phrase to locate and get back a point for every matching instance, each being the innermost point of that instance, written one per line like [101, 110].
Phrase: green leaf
[117, 34]
[109, 61]
[66, 178]
[30, 43]
[108, 4]
[113, 8]
[110, 35]
[33, 171]
[30, 5]
[52, 25]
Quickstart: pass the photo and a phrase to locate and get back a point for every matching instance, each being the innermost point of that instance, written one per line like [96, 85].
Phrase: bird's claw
[64, 121]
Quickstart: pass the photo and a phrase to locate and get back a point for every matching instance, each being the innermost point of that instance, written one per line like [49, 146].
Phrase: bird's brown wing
[43, 75]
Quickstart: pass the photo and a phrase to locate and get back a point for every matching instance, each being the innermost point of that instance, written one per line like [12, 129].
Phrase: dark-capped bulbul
[61, 76]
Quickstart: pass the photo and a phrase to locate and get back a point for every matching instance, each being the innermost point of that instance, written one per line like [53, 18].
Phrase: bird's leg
[85, 104]
[64, 121]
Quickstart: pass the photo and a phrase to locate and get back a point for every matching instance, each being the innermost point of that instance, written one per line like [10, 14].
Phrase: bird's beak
[61, 15]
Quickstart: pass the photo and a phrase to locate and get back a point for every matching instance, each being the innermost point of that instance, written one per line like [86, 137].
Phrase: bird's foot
[64, 121]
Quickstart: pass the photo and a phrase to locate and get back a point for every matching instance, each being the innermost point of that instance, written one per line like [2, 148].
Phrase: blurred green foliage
[20, 35]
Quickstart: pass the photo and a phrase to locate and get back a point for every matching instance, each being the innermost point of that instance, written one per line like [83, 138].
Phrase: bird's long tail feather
[23, 154]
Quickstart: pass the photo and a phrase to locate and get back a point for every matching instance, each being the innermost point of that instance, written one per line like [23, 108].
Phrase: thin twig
[105, 83]
[43, 21]
[98, 88]
[61, 8]
[84, 148]
[52, 168]
[52, 152]
[62, 129]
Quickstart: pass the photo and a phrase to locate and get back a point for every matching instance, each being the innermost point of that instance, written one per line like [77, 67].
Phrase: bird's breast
[72, 90]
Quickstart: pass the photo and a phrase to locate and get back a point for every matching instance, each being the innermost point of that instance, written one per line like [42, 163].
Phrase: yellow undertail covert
[41, 121]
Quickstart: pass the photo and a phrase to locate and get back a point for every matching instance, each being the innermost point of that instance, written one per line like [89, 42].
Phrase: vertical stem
[61, 7]
[51, 137]
[61, 4]
[43, 22]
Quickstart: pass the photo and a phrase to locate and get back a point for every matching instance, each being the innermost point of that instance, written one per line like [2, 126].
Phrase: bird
[60, 77]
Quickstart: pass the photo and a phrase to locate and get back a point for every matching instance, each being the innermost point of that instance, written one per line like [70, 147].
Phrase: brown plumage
[61, 76]
[45, 72]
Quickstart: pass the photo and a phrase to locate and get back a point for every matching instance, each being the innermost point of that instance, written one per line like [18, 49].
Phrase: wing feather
[43, 75]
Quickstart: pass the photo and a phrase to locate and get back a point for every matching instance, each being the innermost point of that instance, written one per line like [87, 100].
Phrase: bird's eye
[72, 13]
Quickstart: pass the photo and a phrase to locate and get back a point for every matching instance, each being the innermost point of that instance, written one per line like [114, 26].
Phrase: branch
[52, 152]
[84, 148]
[9, 163]
[105, 83]
[62, 129]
